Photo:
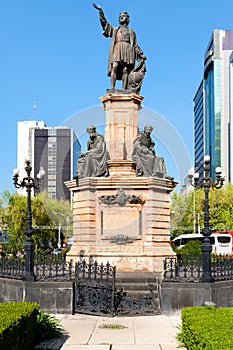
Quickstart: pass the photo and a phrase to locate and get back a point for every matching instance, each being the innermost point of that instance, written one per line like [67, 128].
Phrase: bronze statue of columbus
[124, 50]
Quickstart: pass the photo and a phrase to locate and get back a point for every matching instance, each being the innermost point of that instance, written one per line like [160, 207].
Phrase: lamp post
[28, 182]
[207, 183]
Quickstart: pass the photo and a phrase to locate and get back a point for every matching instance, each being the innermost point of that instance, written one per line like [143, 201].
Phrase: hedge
[208, 328]
[18, 325]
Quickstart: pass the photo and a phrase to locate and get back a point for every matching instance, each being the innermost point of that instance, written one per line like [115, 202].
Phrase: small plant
[48, 327]
[112, 326]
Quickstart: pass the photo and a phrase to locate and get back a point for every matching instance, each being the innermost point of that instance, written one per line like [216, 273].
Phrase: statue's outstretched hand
[98, 7]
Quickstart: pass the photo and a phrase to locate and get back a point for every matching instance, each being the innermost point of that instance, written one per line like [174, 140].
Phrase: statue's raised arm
[97, 7]
[124, 50]
[103, 20]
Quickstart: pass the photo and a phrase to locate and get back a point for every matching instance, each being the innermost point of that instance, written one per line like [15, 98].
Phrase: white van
[221, 242]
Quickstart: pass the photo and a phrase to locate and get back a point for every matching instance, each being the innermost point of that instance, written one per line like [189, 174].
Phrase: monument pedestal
[122, 219]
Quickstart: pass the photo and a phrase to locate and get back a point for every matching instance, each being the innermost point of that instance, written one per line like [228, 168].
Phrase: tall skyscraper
[213, 106]
[199, 130]
[56, 149]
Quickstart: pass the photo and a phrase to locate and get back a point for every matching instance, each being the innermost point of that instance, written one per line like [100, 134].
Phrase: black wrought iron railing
[189, 269]
[46, 267]
[95, 288]
[94, 271]
[53, 268]
[12, 267]
[222, 268]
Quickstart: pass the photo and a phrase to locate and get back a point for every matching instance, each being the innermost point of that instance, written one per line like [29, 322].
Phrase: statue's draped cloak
[95, 161]
[147, 164]
[122, 51]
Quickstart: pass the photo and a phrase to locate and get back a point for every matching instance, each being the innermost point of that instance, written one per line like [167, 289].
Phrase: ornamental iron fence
[53, 267]
[12, 267]
[131, 305]
[96, 293]
[188, 268]
[47, 267]
[94, 288]
[94, 284]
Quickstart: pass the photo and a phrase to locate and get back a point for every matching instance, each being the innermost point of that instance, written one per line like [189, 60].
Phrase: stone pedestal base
[123, 167]
[122, 219]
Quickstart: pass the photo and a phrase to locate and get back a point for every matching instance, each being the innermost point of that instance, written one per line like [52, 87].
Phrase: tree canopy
[48, 216]
[187, 211]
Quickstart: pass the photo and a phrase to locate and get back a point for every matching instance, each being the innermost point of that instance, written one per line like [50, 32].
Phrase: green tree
[4, 200]
[186, 208]
[14, 216]
[47, 215]
[50, 216]
[221, 208]
[183, 211]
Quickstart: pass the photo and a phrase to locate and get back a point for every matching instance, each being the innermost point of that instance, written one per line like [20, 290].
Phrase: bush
[191, 248]
[18, 324]
[22, 326]
[207, 328]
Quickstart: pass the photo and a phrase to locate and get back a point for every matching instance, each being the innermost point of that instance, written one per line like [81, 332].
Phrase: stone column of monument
[121, 128]
[122, 218]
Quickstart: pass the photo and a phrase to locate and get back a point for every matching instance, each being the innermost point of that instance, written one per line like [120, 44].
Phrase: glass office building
[212, 106]
[199, 130]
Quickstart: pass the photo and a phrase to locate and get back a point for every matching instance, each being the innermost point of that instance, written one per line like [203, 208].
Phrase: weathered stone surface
[53, 297]
[133, 235]
[121, 124]
[144, 232]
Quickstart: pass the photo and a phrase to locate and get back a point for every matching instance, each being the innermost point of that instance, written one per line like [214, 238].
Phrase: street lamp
[28, 182]
[206, 183]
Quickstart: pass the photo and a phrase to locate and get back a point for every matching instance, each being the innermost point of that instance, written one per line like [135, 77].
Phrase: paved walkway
[85, 332]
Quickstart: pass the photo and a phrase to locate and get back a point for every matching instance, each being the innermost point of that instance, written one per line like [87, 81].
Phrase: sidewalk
[85, 332]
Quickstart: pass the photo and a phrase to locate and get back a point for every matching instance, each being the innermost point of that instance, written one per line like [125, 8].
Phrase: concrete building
[56, 149]
[213, 109]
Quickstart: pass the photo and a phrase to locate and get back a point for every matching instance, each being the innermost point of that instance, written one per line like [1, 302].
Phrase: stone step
[139, 302]
[137, 288]
[136, 277]
[135, 294]
[136, 281]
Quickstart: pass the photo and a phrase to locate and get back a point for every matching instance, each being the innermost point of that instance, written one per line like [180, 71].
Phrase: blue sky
[53, 51]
